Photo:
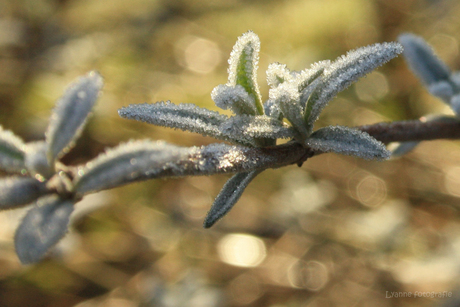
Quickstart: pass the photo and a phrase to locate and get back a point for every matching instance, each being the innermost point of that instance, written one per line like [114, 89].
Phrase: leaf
[36, 161]
[70, 114]
[42, 227]
[228, 196]
[243, 61]
[11, 152]
[234, 98]
[343, 72]
[278, 73]
[347, 141]
[184, 116]
[260, 126]
[286, 96]
[19, 191]
[422, 59]
[254, 127]
[127, 163]
[403, 148]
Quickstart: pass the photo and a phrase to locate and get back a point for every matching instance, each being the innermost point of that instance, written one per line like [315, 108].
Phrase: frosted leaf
[307, 92]
[422, 59]
[278, 73]
[19, 191]
[252, 127]
[234, 98]
[36, 160]
[455, 104]
[228, 196]
[306, 76]
[42, 227]
[127, 163]
[441, 89]
[287, 98]
[70, 114]
[347, 141]
[11, 152]
[346, 70]
[184, 116]
[272, 109]
[403, 148]
[455, 78]
[244, 60]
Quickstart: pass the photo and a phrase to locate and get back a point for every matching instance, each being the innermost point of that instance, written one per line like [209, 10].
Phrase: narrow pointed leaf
[344, 71]
[11, 152]
[347, 141]
[422, 59]
[228, 196]
[19, 191]
[243, 61]
[184, 116]
[70, 114]
[235, 98]
[42, 227]
[253, 127]
[127, 163]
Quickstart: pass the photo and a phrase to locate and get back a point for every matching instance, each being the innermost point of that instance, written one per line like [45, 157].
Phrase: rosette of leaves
[36, 175]
[295, 101]
[436, 77]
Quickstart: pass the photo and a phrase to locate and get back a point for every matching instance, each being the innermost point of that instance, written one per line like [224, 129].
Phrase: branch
[223, 158]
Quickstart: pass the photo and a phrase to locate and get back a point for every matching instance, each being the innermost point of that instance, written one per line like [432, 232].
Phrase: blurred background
[338, 231]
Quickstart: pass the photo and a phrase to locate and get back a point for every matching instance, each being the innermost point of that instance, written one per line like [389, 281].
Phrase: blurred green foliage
[336, 232]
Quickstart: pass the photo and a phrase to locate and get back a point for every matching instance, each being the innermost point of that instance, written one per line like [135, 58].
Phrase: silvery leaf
[184, 116]
[11, 152]
[243, 61]
[422, 59]
[19, 191]
[441, 89]
[254, 127]
[278, 73]
[70, 114]
[235, 98]
[287, 97]
[228, 196]
[347, 141]
[42, 227]
[455, 104]
[37, 162]
[127, 163]
[403, 148]
[343, 72]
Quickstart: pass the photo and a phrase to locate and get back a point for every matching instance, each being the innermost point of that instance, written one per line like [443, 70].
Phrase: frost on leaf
[235, 98]
[19, 191]
[253, 127]
[244, 60]
[278, 73]
[347, 141]
[287, 97]
[228, 196]
[344, 71]
[422, 59]
[128, 162]
[11, 152]
[42, 227]
[184, 116]
[71, 112]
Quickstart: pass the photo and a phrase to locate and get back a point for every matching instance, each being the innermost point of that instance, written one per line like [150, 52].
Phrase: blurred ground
[337, 232]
